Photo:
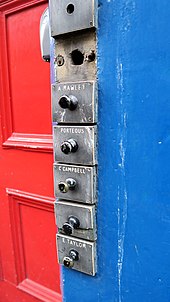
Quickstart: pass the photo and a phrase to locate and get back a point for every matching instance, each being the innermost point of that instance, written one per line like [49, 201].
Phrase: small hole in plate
[70, 9]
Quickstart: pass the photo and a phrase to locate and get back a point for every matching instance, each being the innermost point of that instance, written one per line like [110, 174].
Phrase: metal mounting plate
[85, 136]
[86, 249]
[86, 94]
[85, 177]
[69, 70]
[85, 214]
[68, 16]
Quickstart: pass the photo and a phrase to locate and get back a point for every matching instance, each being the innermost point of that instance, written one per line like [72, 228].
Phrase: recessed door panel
[28, 264]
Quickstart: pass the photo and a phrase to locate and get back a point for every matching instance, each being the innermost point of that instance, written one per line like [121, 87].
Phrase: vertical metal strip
[77, 286]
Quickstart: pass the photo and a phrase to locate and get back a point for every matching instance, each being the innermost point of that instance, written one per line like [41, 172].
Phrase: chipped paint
[122, 190]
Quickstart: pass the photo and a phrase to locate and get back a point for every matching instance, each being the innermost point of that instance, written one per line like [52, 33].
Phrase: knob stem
[71, 183]
[74, 221]
[74, 255]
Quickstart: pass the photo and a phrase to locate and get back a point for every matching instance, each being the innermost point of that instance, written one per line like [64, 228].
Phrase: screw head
[74, 222]
[60, 60]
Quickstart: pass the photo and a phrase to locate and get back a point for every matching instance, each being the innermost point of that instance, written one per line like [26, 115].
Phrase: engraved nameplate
[85, 177]
[83, 137]
[86, 109]
[86, 249]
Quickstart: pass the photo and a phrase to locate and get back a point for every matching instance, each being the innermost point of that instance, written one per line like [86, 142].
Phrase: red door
[28, 261]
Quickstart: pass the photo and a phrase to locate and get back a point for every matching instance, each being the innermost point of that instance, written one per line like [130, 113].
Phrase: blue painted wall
[134, 157]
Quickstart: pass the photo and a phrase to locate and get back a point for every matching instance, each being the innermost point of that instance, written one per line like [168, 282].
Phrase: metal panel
[66, 63]
[85, 93]
[84, 214]
[69, 16]
[86, 249]
[86, 183]
[84, 136]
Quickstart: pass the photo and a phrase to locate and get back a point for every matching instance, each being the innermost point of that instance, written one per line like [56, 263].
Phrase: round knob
[69, 102]
[63, 187]
[67, 228]
[74, 255]
[68, 262]
[73, 223]
[69, 146]
[70, 184]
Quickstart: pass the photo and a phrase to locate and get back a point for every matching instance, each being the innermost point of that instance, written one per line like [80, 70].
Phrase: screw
[60, 60]
[91, 56]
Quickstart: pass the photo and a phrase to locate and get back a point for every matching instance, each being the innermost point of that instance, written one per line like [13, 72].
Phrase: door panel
[28, 73]
[28, 262]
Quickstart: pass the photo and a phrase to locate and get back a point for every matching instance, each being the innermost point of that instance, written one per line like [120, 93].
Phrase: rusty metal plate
[84, 137]
[83, 213]
[68, 16]
[85, 110]
[85, 249]
[71, 61]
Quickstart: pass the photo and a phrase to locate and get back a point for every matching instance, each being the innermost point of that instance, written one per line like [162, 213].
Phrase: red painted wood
[35, 142]
[25, 64]
[28, 261]
[1, 269]
[31, 84]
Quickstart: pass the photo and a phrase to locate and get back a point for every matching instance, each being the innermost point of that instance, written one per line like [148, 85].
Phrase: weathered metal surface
[85, 214]
[86, 182]
[84, 136]
[69, 16]
[86, 94]
[71, 69]
[86, 250]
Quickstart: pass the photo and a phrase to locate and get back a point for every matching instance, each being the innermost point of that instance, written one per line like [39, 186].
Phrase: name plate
[86, 95]
[86, 251]
[85, 190]
[84, 137]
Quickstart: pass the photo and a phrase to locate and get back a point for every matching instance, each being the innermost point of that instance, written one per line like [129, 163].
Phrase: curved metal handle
[45, 36]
